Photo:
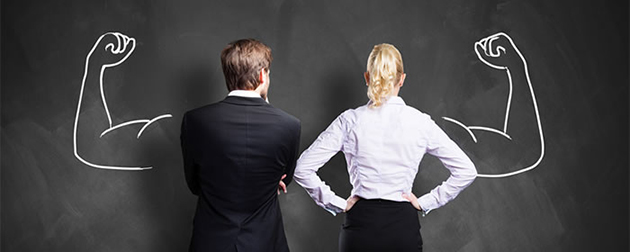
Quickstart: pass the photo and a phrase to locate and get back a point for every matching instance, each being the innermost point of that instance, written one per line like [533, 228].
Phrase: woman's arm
[462, 170]
[327, 144]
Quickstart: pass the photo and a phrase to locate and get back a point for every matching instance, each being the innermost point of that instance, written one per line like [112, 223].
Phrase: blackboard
[574, 199]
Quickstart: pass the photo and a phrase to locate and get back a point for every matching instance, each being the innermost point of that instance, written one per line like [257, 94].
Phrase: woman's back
[383, 147]
[383, 142]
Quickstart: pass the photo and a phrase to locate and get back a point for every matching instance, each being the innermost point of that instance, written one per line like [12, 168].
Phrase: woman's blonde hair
[385, 68]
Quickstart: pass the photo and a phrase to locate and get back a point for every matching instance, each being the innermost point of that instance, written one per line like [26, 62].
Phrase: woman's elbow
[468, 171]
[471, 172]
[301, 174]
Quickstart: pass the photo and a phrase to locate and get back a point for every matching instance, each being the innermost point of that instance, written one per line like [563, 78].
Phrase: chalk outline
[488, 41]
[123, 42]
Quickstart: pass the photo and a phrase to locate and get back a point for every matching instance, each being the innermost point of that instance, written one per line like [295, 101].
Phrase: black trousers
[381, 225]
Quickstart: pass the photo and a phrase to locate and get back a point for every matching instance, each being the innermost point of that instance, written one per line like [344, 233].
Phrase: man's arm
[293, 155]
[190, 169]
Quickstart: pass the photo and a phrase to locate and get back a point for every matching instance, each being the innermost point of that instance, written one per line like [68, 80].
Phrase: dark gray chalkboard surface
[567, 127]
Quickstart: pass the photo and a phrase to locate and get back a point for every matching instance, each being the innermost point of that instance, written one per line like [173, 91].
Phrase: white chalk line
[463, 126]
[151, 121]
[124, 124]
[490, 130]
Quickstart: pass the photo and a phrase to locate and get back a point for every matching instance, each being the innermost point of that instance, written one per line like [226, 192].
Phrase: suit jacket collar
[247, 101]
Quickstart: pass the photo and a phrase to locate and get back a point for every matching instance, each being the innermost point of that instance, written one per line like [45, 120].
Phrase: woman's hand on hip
[413, 200]
[350, 202]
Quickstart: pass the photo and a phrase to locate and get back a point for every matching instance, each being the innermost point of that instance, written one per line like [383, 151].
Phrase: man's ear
[261, 76]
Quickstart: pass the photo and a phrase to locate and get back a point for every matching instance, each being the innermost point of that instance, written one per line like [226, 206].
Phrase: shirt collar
[395, 100]
[392, 100]
[244, 93]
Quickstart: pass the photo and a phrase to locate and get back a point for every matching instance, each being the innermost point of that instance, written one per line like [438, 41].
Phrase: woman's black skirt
[381, 225]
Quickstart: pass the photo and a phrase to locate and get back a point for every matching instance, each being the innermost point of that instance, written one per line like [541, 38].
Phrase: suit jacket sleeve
[190, 170]
[293, 154]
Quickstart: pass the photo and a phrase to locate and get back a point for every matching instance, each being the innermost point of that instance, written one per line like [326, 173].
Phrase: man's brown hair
[241, 60]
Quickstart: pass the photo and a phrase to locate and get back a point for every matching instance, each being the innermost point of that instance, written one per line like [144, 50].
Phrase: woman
[383, 143]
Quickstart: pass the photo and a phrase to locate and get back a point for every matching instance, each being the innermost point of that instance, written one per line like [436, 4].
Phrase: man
[235, 152]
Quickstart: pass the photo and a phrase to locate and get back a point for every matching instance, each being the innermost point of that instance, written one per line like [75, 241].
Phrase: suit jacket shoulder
[287, 118]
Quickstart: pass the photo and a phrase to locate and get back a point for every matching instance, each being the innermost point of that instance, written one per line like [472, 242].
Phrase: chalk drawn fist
[112, 48]
[498, 51]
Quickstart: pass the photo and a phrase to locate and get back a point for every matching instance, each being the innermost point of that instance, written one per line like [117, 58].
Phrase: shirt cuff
[427, 203]
[337, 205]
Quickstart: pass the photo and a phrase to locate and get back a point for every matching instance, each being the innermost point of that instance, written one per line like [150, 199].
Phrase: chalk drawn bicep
[498, 51]
[109, 50]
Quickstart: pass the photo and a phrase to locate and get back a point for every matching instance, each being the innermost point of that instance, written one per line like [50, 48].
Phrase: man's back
[235, 152]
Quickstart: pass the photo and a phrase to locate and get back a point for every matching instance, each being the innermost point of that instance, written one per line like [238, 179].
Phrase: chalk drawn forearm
[110, 50]
[494, 51]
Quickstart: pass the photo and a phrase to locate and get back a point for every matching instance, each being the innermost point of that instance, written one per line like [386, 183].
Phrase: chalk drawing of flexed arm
[498, 51]
[110, 50]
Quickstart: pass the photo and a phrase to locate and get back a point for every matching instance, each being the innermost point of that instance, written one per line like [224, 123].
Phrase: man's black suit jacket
[235, 152]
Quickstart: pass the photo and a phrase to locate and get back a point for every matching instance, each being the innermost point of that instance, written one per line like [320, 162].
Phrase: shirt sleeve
[463, 171]
[327, 144]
